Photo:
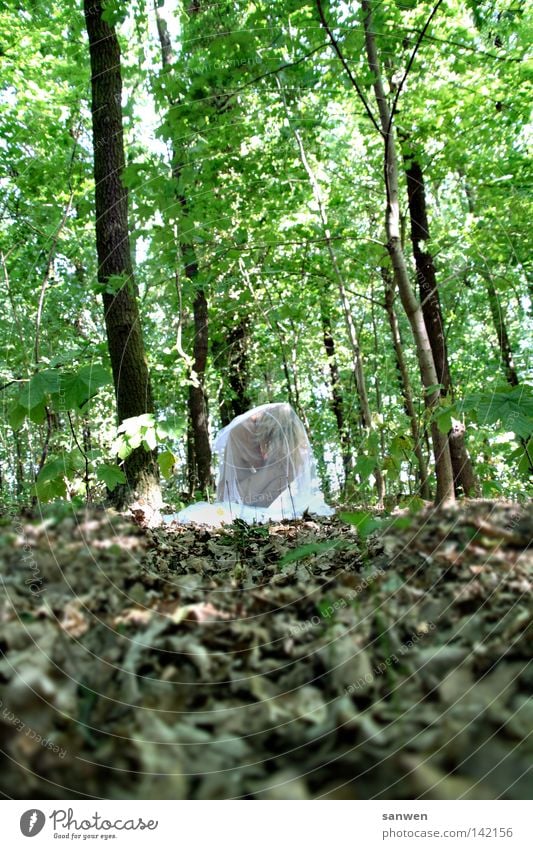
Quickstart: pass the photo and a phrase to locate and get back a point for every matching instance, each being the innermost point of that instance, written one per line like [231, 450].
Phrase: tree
[405, 383]
[353, 336]
[199, 449]
[463, 473]
[115, 271]
[441, 450]
[285, 258]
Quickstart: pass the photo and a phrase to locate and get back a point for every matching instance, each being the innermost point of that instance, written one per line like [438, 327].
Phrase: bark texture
[441, 450]
[405, 384]
[234, 369]
[465, 480]
[115, 271]
[198, 444]
[337, 401]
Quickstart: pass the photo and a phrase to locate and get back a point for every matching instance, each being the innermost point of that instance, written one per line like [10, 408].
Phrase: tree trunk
[353, 336]
[292, 395]
[405, 385]
[198, 445]
[197, 401]
[497, 314]
[238, 367]
[337, 401]
[500, 328]
[443, 465]
[19, 466]
[498, 320]
[124, 335]
[464, 476]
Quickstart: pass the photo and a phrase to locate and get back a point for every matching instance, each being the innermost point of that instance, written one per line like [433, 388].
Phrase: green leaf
[443, 417]
[112, 476]
[73, 392]
[49, 490]
[53, 470]
[94, 376]
[525, 453]
[16, 415]
[34, 392]
[400, 446]
[415, 504]
[365, 466]
[150, 439]
[132, 426]
[166, 460]
[37, 414]
[364, 522]
[512, 406]
[489, 488]
[169, 430]
[429, 390]
[114, 12]
[393, 466]
[67, 465]
[308, 550]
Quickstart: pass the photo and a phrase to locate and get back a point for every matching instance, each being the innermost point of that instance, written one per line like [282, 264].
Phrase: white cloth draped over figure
[266, 471]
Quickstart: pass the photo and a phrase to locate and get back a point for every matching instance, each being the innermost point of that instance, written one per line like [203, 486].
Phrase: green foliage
[60, 391]
[112, 476]
[51, 482]
[215, 175]
[365, 523]
[309, 550]
[167, 461]
[511, 406]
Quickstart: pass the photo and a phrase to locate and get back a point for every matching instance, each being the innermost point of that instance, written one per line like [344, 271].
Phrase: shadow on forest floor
[292, 661]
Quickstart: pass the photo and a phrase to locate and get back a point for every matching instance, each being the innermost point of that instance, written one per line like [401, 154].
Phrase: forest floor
[299, 660]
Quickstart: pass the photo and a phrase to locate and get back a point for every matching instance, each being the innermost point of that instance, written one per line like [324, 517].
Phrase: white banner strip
[268, 824]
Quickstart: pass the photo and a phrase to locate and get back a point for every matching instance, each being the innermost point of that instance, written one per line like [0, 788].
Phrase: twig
[11, 382]
[410, 63]
[85, 457]
[274, 71]
[346, 67]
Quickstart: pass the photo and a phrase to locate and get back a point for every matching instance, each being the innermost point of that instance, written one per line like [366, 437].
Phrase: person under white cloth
[266, 471]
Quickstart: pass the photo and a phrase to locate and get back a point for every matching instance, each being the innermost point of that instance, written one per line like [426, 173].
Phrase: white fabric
[266, 471]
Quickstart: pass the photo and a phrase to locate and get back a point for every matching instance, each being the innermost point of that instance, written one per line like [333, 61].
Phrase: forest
[207, 207]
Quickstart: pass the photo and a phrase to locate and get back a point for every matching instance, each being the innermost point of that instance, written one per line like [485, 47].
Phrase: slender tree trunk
[337, 401]
[19, 466]
[124, 334]
[292, 393]
[353, 337]
[238, 366]
[441, 449]
[500, 328]
[500, 325]
[496, 311]
[197, 401]
[464, 476]
[232, 364]
[379, 402]
[506, 353]
[300, 409]
[198, 445]
[405, 385]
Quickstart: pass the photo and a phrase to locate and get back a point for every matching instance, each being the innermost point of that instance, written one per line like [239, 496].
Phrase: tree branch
[346, 67]
[419, 41]
[274, 71]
